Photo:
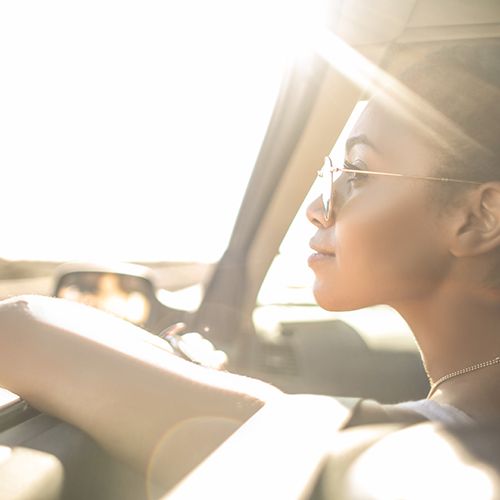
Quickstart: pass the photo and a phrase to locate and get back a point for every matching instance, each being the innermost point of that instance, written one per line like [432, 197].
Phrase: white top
[446, 414]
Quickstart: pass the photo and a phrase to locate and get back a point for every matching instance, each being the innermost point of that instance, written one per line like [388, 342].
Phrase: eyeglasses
[329, 174]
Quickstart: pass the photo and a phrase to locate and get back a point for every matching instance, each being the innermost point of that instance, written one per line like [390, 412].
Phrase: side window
[289, 280]
[286, 293]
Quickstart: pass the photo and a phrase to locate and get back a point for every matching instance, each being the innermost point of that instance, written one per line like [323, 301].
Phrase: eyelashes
[355, 177]
[356, 165]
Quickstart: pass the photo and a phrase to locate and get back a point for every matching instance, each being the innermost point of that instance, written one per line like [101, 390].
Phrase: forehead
[381, 130]
[379, 125]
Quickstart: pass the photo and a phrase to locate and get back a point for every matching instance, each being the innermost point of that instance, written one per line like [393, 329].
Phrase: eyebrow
[359, 139]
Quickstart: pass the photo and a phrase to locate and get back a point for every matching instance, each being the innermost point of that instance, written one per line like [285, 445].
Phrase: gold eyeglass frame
[327, 197]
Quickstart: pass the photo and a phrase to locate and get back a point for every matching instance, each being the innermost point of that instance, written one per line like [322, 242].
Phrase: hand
[194, 347]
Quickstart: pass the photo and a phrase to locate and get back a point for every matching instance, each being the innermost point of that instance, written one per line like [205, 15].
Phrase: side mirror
[129, 292]
[126, 290]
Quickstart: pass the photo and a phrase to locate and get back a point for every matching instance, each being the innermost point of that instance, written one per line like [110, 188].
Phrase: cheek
[388, 250]
[372, 237]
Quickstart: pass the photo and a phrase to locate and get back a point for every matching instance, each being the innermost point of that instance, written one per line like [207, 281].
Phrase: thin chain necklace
[463, 371]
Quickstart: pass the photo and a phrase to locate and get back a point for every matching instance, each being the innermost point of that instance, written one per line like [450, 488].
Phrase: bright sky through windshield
[129, 129]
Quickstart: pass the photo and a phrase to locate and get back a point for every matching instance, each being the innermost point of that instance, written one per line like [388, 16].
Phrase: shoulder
[368, 411]
[431, 410]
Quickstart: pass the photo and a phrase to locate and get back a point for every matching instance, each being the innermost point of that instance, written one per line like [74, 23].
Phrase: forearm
[112, 379]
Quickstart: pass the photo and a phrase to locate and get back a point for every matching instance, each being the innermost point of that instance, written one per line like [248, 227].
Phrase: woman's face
[385, 240]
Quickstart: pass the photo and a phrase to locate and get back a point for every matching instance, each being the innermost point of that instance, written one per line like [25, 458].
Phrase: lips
[321, 253]
[317, 258]
[321, 249]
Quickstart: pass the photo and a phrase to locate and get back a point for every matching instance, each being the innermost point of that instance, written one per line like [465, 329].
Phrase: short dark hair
[462, 84]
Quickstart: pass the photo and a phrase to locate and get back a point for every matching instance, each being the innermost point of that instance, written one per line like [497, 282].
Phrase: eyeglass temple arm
[348, 168]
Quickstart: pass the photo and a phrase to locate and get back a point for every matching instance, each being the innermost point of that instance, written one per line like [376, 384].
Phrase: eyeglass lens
[326, 186]
[328, 176]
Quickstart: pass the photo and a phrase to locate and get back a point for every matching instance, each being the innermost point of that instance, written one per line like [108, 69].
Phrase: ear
[477, 228]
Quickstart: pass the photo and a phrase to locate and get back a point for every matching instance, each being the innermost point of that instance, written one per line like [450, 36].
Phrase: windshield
[130, 129]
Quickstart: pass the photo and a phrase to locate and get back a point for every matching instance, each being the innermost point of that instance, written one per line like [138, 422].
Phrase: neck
[455, 330]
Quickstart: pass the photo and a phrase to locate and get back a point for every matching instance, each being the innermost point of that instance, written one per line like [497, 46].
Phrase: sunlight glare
[130, 129]
[445, 461]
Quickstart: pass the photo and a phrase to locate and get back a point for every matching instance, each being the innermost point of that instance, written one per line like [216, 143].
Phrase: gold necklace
[463, 371]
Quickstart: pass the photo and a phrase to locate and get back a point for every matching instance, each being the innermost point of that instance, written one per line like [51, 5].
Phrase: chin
[331, 300]
[328, 300]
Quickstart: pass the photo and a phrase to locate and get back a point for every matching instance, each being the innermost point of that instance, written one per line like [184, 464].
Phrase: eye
[353, 177]
[356, 177]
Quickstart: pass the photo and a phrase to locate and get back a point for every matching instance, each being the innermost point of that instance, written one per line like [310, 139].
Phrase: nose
[316, 214]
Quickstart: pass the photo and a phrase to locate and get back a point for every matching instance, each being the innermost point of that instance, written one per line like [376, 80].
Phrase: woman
[427, 246]
[426, 240]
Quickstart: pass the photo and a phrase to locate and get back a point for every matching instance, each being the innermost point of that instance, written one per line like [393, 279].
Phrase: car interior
[295, 447]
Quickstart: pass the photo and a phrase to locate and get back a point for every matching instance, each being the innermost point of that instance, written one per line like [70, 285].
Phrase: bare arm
[116, 382]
